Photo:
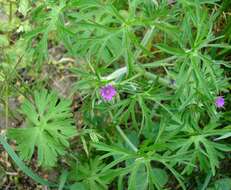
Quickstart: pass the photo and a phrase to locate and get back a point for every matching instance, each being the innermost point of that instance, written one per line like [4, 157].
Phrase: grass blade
[22, 165]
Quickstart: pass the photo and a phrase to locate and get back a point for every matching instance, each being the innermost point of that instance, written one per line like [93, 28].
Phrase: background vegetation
[115, 94]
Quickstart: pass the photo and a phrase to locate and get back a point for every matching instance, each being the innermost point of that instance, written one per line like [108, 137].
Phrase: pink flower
[108, 92]
[220, 101]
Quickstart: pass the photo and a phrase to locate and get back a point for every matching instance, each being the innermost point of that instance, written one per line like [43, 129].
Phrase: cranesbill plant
[147, 91]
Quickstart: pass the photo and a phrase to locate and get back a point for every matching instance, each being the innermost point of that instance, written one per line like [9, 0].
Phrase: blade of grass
[22, 165]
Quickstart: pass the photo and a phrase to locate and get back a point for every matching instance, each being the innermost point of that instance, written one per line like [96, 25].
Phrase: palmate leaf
[92, 175]
[203, 150]
[48, 127]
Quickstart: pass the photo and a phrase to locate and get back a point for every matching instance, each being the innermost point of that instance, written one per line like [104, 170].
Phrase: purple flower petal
[220, 101]
[108, 92]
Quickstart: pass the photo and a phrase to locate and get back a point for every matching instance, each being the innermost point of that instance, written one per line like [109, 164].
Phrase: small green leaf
[79, 186]
[223, 184]
[227, 135]
[3, 41]
[171, 50]
[141, 180]
[160, 175]
[2, 77]
[23, 7]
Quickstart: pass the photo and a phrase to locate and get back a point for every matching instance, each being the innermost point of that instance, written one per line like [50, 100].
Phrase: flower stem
[126, 138]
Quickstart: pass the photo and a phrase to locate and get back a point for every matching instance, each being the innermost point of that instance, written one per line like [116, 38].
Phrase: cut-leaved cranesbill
[49, 125]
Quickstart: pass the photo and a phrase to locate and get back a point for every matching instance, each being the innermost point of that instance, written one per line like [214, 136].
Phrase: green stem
[6, 106]
[11, 12]
[145, 41]
[126, 138]
[207, 180]
[153, 76]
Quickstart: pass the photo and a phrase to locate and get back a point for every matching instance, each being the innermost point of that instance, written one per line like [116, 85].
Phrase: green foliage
[48, 127]
[221, 184]
[92, 175]
[168, 62]
[204, 150]
[138, 165]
